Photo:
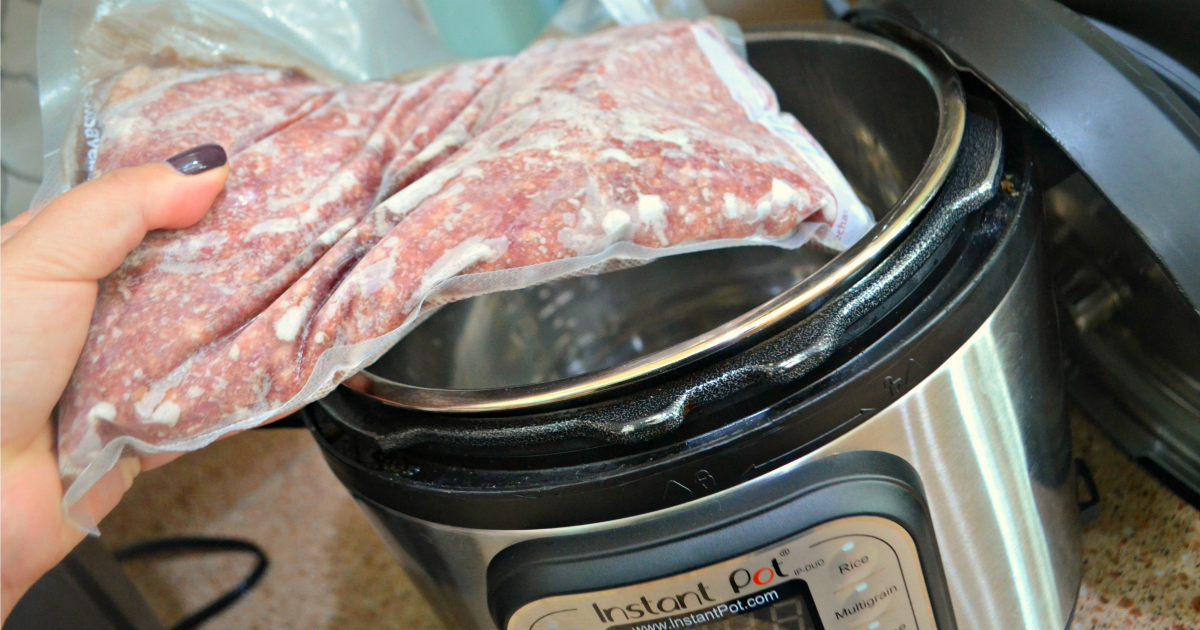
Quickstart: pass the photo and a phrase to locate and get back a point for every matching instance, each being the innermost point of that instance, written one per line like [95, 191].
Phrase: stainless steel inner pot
[892, 119]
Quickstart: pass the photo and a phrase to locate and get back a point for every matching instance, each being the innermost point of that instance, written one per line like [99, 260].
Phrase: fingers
[85, 234]
[49, 270]
[33, 535]
[104, 495]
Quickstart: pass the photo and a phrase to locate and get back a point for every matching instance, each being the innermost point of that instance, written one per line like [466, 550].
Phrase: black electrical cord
[196, 544]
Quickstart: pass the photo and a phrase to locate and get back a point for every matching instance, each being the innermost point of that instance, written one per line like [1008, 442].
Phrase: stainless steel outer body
[982, 430]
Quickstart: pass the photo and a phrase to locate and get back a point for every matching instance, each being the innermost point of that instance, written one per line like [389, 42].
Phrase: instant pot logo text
[701, 597]
[742, 578]
[698, 598]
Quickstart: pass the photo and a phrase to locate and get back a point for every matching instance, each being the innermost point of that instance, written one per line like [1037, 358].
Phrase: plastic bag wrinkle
[252, 247]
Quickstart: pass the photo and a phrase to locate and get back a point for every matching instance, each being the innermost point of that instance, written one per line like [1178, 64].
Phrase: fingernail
[198, 159]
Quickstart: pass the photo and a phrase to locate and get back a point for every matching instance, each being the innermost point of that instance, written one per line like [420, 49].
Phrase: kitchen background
[22, 126]
[329, 569]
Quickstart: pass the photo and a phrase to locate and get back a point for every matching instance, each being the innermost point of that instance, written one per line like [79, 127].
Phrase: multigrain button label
[867, 603]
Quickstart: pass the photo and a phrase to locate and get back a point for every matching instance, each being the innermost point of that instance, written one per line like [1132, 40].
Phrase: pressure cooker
[877, 439]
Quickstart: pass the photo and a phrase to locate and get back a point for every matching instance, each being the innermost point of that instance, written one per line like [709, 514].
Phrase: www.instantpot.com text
[715, 613]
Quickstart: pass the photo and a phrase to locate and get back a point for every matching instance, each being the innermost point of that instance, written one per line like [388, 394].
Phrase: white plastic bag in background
[579, 17]
[84, 42]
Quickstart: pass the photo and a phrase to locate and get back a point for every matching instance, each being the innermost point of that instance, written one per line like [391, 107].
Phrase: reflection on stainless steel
[847, 87]
[987, 433]
[593, 322]
[1136, 341]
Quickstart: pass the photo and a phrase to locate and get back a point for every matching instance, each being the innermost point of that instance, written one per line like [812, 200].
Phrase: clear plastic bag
[575, 157]
[580, 17]
[82, 43]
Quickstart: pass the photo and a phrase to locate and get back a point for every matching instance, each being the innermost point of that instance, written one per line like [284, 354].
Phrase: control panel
[854, 573]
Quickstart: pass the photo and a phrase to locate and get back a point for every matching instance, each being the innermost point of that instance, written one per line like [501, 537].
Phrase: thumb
[49, 270]
[84, 234]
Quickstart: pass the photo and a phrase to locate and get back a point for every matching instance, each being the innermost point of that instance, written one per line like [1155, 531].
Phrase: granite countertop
[1141, 558]
[1141, 562]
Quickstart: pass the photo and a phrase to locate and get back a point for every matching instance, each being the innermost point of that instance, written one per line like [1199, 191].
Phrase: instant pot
[876, 440]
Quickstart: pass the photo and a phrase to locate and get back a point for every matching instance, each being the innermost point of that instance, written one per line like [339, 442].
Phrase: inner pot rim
[834, 276]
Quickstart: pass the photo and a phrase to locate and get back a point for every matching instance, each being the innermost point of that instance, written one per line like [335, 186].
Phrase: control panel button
[894, 621]
[855, 559]
[868, 599]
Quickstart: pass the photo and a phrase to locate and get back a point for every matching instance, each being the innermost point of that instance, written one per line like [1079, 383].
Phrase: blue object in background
[485, 28]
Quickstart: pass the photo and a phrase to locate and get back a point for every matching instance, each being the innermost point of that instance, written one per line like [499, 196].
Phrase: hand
[49, 268]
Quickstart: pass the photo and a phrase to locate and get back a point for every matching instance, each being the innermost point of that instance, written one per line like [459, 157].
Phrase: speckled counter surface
[329, 570]
[1141, 558]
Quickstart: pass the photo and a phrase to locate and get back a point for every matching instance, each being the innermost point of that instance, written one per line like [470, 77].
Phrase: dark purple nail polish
[198, 159]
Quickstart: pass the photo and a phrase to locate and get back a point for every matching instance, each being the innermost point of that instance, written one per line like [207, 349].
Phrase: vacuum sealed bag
[350, 209]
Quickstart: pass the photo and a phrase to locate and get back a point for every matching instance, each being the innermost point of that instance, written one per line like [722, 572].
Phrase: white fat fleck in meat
[195, 392]
[410, 196]
[274, 226]
[331, 236]
[740, 146]
[653, 213]
[677, 137]
[459, 258]
[733, 206]
[335, 189]
[374, 273]
[829, 209]
[320, 338]
[651, 208]
[101, 411]
[182, 268]
[782, 195]
[192, 246]
[453, 136]
[615, 223]
[288, 326]
[782, 192]
[166, 413]
[234, 352]
[620, 156]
